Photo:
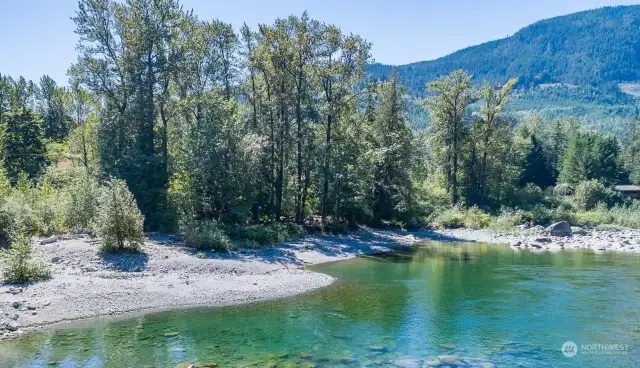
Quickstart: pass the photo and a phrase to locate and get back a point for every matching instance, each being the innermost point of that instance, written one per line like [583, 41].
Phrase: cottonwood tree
[449, 98]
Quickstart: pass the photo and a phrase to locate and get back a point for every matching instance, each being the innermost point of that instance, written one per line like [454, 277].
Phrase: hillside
[599, 48]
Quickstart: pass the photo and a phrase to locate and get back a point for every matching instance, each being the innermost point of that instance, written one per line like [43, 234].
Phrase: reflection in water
[471, 300]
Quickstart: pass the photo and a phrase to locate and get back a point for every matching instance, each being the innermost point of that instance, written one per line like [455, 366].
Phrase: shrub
[19, 265]
[455, 217]
[81, 201]
[119, 221]
[17, 217]
[588, 194]
[265, 234]
[48, 210]
[563, 190]
[205, 234]
[529, 196]
[508, 219]
[451, 218]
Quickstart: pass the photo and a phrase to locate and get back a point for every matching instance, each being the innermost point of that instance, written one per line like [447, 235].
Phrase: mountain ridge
[597, 48]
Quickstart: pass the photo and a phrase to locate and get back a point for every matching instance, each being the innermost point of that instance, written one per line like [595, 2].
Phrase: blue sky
[36, 36]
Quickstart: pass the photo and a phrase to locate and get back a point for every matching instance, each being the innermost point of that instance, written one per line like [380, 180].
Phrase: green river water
[485, 304]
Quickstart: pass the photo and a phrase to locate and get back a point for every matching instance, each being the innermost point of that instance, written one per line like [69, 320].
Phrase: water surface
[487, 302]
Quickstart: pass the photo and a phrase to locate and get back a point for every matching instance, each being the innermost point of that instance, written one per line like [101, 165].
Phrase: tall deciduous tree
[450, 96]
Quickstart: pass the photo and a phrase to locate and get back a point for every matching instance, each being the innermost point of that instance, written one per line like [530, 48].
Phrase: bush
[81, 201]
[588, 194]
[119, 222]
[205, 234]
[529, 196]
[48, 210]
[256, 235]
[508, 219]
[19, 265]
[455, 217]
[17, 217]
[563, 190]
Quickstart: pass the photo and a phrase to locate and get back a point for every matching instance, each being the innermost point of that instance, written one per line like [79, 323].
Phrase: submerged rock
[197, 365]
[452, 360]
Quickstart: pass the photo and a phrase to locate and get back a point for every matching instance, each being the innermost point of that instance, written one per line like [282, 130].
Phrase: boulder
[56, 259]
[16, 304]
[561, 228]
[12, 326]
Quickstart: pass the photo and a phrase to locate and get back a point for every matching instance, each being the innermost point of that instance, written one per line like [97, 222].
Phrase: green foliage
[591, 156]
[456, 217]
[19, 264]
[205, 234]
[119, 221]
[508, 218]
[588, 194]
[24, 147]
[81, 201]
[268, 234]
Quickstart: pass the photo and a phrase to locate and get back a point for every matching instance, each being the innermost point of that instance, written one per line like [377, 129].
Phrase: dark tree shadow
[125, 261]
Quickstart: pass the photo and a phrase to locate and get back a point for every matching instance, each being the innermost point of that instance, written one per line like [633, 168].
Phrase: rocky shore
[87, 283]
[559, 236]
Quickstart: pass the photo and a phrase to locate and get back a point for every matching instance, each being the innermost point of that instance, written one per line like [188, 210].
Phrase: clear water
[512, 309]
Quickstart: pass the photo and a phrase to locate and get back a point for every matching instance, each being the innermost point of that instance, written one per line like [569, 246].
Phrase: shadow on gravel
[363, 242]
[125, 262]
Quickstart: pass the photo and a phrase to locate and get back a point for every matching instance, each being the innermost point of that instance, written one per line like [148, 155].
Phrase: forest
[175, 124]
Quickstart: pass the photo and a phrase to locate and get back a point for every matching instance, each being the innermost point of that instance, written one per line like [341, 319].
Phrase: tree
[53, 107]
[393, 152]
[341, 64]
[490, 133]
[589, 156]
[119, 222]
[449, 98]
[24, 149]
[536, 166]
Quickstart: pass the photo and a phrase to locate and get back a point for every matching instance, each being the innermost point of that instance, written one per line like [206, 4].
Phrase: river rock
[516, 243]
[31, 307]
[408, 363]
[56, 260]
[49, 240]
[561, 228]
[16, 304]
[12, 326]
[578, 230]
[452, 360]
[542, 240]
[14, 316]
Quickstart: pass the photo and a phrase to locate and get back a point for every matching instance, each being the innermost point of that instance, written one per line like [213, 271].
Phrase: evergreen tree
[537, 169]
[24, 149]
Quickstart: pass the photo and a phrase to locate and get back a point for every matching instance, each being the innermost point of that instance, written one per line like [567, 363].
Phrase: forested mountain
[598, 48]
